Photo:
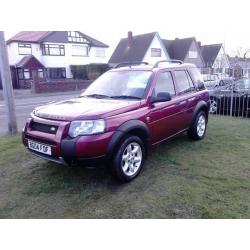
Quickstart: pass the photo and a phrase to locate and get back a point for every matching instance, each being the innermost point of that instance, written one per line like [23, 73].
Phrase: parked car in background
[120, 115]
[215, 80]
[231, 99]
[211, 80]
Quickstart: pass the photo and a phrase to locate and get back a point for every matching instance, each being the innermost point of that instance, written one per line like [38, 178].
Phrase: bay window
[55, 73]
[53, 50]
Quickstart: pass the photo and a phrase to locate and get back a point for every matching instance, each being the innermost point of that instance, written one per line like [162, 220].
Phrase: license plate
[39, 147]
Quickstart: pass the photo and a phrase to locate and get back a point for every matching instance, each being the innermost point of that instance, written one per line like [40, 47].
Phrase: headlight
[90, 127]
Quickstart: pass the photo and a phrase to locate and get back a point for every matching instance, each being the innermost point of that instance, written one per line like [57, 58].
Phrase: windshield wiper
[99, 96]
[125, 97]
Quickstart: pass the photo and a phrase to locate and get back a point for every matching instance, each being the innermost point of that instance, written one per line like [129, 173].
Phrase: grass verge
[181, 179]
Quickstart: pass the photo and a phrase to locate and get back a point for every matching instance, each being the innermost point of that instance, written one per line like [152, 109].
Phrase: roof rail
[170, 61]
[123, 64]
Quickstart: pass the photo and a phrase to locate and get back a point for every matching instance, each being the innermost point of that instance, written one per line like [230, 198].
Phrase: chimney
[199, 44]
[130, 38]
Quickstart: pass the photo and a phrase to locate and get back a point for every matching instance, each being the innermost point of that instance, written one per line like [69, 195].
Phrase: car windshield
[119, 85]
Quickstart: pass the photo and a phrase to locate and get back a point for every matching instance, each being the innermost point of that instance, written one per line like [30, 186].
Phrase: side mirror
[161, 97]
[201, 86]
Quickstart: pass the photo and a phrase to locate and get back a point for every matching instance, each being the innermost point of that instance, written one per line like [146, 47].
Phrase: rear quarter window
[196, 75]
[183, 83]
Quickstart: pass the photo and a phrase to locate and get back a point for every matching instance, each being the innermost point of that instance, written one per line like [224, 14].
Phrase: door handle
[181, 103]
[191, 99]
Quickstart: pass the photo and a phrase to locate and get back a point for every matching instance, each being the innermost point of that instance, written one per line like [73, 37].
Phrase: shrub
[94, 70]
[79, 71]
[90, 71]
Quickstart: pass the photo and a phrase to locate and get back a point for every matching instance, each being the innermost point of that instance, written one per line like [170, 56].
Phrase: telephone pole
[7, 86]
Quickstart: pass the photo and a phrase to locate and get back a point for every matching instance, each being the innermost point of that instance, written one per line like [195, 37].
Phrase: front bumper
[64, 149]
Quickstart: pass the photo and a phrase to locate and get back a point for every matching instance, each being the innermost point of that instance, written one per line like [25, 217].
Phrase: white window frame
[24, 49]
[100, 52]
[193, 54]
[156, 52]
[76, 52]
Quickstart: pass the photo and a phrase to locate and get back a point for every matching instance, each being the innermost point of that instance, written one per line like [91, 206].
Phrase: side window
[196, 75]
[190, 82]
[164, 83]
[182, 81]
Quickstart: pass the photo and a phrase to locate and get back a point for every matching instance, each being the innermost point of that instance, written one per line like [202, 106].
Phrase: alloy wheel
[131, 159]
[201, 125]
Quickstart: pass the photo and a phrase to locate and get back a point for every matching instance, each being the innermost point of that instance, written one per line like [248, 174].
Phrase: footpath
[26, 93]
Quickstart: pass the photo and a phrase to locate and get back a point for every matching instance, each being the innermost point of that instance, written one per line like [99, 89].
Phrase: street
[24, 106]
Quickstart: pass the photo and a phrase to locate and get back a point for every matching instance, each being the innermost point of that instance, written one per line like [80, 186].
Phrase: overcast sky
[209, 21]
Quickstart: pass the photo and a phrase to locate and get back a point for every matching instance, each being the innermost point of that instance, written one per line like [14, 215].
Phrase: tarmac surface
[25, 102]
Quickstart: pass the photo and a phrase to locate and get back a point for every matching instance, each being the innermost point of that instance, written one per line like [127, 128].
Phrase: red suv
[120, 116]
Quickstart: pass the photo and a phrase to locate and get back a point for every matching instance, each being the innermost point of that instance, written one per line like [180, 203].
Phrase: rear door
[187, 97]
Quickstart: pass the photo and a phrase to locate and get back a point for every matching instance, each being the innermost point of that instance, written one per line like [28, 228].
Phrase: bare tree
[242, 52]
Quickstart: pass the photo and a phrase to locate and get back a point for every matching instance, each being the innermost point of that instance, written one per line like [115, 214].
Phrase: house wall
[221, 63]
[56, 61]
[14, 56]
[198, 61]
[156, 43]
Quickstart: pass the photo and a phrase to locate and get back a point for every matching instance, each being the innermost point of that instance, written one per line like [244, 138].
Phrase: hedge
[88, 72]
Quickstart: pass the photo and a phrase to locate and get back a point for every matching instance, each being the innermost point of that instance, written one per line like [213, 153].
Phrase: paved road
[24, 106]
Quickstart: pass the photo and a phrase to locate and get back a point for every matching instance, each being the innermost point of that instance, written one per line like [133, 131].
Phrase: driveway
[26, 103]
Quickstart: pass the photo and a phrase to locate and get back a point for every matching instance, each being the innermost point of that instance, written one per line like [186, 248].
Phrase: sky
[210, 21]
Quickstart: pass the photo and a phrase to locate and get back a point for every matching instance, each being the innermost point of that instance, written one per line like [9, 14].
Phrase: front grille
[45, 128]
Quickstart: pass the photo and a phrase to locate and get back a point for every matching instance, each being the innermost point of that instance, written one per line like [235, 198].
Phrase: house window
[100, 52]
[80, 50]
[20, 74]
[192, 54]
[24, 74]
[53, 50]
[24, 49]
[56, 73]
[40, 73]
[155, 52]
[76, 37]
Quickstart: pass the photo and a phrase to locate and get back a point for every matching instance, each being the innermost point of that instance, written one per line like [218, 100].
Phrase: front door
[14, 79]
[164, 116]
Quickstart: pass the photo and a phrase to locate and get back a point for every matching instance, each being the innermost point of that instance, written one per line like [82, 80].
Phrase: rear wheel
[198, 129]
[129, 159]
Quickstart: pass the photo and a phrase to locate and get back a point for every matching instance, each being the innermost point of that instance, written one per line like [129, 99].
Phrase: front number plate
[41, 148]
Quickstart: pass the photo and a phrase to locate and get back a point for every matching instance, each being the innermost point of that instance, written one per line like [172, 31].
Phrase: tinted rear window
[196, 75]
[182, 81]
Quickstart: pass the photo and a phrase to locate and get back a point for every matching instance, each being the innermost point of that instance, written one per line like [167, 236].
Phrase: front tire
[198, 129]
[129, 159]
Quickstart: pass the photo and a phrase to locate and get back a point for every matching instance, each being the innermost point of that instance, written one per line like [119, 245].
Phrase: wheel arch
[132, 127]
[201, 106]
